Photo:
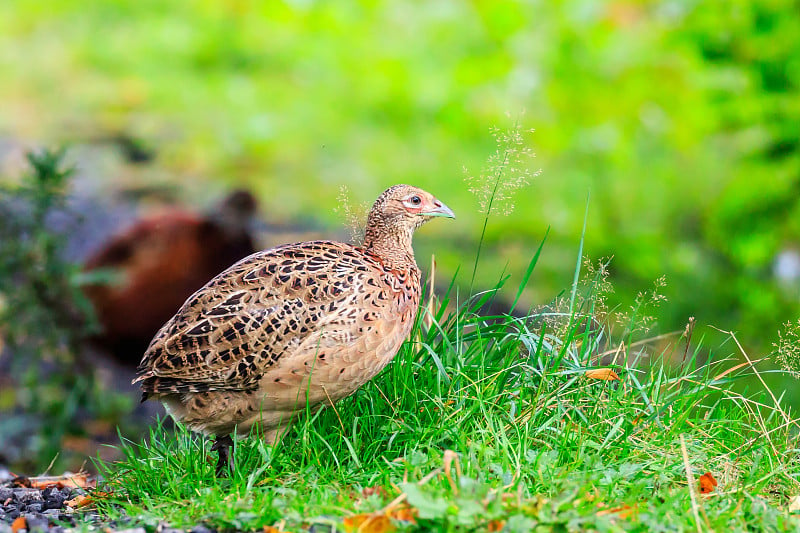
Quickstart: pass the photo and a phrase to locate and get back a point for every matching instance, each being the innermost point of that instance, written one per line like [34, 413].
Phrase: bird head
[406, 207]
[394, 217]
[237, 213]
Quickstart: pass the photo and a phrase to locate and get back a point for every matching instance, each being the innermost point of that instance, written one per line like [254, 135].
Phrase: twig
[690, 480]
[688, 334]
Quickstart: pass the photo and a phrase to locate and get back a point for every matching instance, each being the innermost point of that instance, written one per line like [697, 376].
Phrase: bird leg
[222, 446]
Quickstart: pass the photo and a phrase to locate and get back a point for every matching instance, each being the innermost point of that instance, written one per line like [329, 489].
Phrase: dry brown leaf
[404, 513]
[707, 483]
[368, 523]
[496, 525]
[19, 523]
[21, 481]
[71, 481]
[624, 511]
[605, 374]
[80, 500]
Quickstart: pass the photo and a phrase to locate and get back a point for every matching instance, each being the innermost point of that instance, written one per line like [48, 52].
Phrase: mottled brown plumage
[296, 325]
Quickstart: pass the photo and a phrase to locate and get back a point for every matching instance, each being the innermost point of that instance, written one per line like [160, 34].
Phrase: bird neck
[392, 244]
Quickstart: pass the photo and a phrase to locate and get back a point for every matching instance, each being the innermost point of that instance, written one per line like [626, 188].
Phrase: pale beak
[439, 210]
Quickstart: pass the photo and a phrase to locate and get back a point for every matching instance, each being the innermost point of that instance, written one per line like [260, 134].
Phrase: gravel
[43, 509]
[46, 511]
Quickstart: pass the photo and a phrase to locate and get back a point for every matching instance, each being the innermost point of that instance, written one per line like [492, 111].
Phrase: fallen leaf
[496, 525]
[794, 504]
[19, 523]
[707, 483]
[80, 480]
[21, 481]
[81, 500]
[605, 374]
[624, 511]
[368, 523]
[404, 513]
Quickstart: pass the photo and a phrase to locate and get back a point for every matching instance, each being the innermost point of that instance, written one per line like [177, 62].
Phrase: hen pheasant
[296, 325]
[161, 260]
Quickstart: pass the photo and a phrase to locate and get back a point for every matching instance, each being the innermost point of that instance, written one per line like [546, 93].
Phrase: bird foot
[222, 445]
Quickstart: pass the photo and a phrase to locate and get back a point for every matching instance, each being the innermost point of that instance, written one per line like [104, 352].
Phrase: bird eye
[416, 200]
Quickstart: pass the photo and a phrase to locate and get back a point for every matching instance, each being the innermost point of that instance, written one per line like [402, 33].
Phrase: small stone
[28, 495]
[52, 512]
[54, 501]
[201, 529]
[35, 507]
[134, 530]
[5, 528]
[13, 514]
[5, 494]
[36, 523]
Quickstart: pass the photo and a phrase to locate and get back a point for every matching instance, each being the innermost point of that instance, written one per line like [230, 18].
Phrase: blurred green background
[681, 117]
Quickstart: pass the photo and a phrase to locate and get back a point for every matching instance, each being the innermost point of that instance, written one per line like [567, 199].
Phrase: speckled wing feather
[262, 309]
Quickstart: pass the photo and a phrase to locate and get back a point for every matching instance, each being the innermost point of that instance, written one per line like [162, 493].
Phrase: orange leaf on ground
[496, 525]
[70, 481]
[368, 523]
[19, 523]
[625, 511]
[80, 500]
[404, 513]
[606, 374]
[707, 483]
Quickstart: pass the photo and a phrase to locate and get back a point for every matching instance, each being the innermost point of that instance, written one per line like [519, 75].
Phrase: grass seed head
[354, 215]
[506, 171]
[787, 349]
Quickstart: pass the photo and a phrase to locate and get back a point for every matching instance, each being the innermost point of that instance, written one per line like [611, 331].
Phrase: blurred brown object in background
[157, 263]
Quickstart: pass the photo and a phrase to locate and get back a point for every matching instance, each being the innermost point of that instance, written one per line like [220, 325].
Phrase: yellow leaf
[368, 523]
[606, 374]
[404, 514]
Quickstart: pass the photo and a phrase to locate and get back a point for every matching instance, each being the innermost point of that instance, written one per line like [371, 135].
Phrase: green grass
[681, 117]
[489, 422]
